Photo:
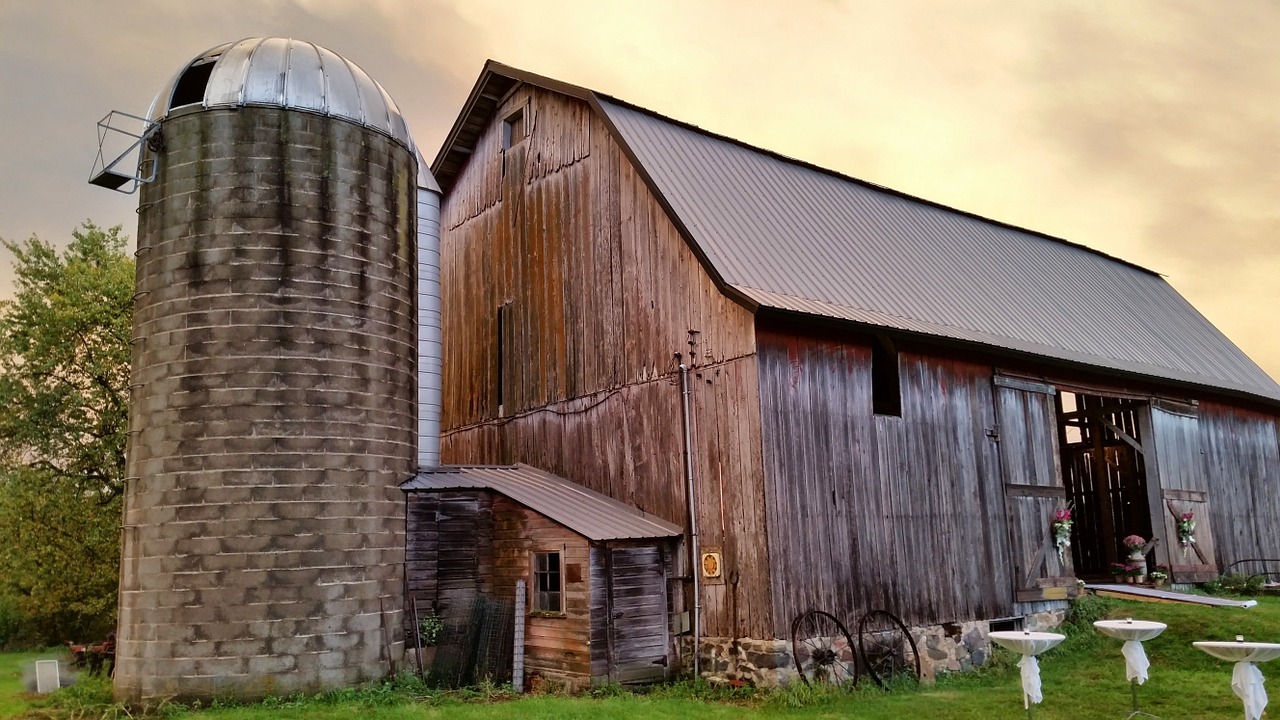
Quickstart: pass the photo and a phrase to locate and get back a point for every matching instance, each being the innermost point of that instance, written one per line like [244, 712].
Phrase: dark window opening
[513, 129]
[548, 588]
[190, 87]
[886, 390]
[498, 393]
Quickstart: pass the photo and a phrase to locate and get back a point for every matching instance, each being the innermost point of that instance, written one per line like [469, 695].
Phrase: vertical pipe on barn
[691, 500]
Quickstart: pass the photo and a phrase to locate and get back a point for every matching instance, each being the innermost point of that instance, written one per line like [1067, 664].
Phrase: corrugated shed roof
[586, 512]
[796, 237]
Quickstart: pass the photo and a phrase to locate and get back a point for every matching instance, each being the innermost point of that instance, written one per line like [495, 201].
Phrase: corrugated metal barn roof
[795, 237]
[586, 512]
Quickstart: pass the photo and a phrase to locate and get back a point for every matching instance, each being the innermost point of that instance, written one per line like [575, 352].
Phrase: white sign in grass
[46, 676]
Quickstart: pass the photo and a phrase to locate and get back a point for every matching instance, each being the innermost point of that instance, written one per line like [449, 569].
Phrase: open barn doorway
[1106, 480]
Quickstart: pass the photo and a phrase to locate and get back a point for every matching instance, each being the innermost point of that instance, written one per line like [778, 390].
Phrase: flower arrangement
[1061, 526]
[1119, 570]
[1158, 575]
[1134, 543]
[1186, 531]
[1135, 570]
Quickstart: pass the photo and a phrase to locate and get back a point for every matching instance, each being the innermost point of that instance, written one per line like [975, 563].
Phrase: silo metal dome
[275, 378]
[281, 73]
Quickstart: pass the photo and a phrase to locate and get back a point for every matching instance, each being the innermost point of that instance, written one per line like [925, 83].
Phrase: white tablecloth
[1246, 681]
[1135, 661]
[1030, 679]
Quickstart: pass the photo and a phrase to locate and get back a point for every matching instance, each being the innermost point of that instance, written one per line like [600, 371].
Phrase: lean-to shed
[597, 570]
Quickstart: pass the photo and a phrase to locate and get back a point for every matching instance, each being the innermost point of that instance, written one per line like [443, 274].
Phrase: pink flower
[1188, 516]
[1134, 542]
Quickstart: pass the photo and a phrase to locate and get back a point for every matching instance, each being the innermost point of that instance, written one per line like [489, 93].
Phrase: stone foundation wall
[943, 649]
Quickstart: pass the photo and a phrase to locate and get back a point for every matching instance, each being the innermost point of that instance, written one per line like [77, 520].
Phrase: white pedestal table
[1246, 678]
[1133, 633]
[1028, 644]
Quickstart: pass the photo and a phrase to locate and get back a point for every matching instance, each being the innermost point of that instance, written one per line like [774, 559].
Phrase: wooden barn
[889, 398]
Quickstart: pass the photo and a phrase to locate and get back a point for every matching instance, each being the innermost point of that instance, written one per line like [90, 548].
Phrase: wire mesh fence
[475, 644]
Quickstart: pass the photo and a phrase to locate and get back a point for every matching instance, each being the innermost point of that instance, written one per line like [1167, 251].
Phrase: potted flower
[1158, 577]
[1136, 572]
[1119, 571]
[1136, 545]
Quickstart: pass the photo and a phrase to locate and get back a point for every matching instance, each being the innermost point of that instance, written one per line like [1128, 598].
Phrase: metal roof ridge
[867, 183]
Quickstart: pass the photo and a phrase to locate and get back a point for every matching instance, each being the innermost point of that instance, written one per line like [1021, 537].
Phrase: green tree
[64, 383]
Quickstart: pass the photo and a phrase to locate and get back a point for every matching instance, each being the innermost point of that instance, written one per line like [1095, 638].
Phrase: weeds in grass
[1241, 585]
[700, 689]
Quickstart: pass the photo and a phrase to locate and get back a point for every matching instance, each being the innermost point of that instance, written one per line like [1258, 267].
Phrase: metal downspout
[691, 498]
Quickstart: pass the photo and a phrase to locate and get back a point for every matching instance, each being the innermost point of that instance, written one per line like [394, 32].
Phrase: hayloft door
[637, 619]
[1181, 481]
[1027, 417]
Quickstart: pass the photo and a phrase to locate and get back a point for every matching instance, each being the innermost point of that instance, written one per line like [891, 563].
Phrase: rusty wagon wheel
[888, 651]
[823, 650]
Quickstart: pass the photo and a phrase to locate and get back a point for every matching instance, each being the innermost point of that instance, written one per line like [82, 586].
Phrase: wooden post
[517, 654]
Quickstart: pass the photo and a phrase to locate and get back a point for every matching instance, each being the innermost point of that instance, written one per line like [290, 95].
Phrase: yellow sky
[1146, 129]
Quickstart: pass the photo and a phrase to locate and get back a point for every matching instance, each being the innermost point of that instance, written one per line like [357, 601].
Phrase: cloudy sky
[1148, 129]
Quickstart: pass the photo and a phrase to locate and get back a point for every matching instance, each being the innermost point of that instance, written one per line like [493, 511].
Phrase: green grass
[1083, 680]
[13, 696]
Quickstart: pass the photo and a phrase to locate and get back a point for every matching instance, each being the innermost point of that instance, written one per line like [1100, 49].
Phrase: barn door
[1027, 430]
[637, 620]
[1183, 488]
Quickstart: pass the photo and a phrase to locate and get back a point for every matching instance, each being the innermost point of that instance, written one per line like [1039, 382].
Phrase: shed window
[548, 583]
[886, 390]
[513, 129]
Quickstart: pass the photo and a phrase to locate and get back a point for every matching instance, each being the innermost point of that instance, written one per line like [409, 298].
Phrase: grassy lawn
[1083, 680]
[13, 697]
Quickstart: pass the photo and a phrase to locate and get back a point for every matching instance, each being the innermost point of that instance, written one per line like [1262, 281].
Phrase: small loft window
[513, 130]
[886, 390]
[548, 583]
[189, 89]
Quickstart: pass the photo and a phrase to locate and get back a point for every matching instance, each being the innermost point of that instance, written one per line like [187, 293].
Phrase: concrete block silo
[275, 386]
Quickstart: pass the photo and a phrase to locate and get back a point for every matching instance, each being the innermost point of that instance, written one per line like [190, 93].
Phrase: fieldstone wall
[943, 649]
[273, 409]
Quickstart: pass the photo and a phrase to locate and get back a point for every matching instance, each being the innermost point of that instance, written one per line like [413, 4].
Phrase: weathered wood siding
[871, 511]
[1242, 457]
[1176, 465]
[598, 293]
[597, 287]
[448, 549]
[1027, 423]
[635, 622]
[555, 646]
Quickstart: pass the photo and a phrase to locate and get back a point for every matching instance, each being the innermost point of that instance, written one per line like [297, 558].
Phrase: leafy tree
[64, 383]
[64, 359]
[59, 560]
